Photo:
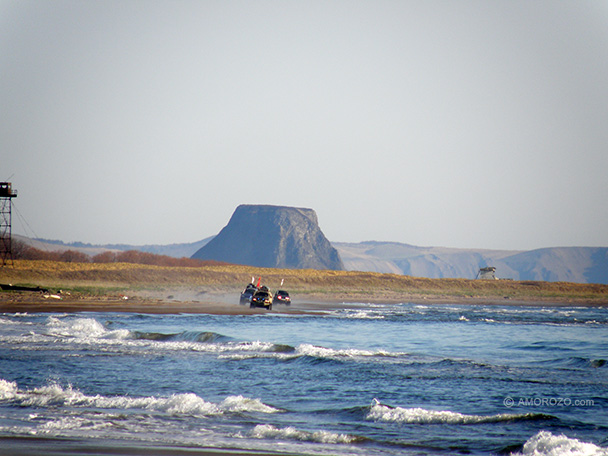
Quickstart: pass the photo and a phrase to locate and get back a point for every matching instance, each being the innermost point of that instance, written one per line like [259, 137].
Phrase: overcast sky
[474, 124]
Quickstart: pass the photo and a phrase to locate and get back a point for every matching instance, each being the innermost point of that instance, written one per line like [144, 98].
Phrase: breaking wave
[267, 431]
[90, 329]
[71, 333]
[547, 444]
[386, 413]
[187, 404]
[314, 353]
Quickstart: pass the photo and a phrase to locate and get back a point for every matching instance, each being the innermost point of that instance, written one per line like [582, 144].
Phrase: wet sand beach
[24, 446]
[122, 287]
[228, 304]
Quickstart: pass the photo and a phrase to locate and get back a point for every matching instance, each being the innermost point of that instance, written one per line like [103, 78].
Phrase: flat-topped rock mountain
[273, 237]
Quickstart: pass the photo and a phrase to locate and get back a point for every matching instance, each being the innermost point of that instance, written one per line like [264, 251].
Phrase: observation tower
[6, 195]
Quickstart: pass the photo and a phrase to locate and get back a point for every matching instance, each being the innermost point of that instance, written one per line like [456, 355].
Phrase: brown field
[91, 286]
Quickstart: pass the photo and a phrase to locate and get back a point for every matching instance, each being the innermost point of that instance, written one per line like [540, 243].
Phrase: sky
[466, 124]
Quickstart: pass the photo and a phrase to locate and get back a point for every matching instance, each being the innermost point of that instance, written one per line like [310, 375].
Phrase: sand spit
[121, 287]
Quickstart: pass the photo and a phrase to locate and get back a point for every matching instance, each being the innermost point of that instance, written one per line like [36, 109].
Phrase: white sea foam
[331, 353]
[266, 431]
[311, 351]
[367, 314]
[245, 404]
[72, 423]
[83, 330]
[80, 328]
[546, 444]
[381, 412]
[7, 390]
[188, 404]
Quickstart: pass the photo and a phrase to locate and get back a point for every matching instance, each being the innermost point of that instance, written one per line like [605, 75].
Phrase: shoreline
[222, 305]
[26, 446]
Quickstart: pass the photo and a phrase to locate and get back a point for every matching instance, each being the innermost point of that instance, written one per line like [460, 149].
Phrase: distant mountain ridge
[558, 264]
[184, 250]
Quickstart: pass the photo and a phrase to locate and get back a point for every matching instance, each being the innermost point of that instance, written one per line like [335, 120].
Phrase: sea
[359, 379]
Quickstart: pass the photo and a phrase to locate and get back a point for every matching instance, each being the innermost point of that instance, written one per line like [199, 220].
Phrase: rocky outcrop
[273, 237]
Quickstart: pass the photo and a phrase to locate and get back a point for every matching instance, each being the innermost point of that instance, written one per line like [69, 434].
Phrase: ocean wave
[90, 332]
[185, 336]
[7, 389]
[322, 352]
[314, 353]
[187, 404]
[82, 329]
[464, 313]
[386, 413]
[585, 362]
[361, 314]
[7, 322]
[89, 329]
[267, 431]
[72, 423]
[547, 444]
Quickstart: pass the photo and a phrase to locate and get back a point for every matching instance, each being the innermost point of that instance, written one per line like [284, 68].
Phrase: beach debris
[51, 296]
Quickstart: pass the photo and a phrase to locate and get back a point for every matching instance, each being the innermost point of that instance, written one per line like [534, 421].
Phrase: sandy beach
[122, 287]
[25, 446]
[227, 304]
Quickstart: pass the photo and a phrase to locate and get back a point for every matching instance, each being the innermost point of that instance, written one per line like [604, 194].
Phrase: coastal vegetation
[114, 279]
[22, 251]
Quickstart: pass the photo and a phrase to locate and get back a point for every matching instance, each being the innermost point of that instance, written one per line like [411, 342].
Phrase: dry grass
[113, 278]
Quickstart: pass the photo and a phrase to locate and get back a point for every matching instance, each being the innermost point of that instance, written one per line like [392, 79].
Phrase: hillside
[173, 250]
[560, 264]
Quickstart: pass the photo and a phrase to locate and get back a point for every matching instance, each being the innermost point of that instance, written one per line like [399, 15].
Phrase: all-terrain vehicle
[262, 298]
[281, 297]
[248, 293]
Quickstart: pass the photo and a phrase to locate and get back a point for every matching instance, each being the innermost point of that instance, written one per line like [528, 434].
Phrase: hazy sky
[441, 123]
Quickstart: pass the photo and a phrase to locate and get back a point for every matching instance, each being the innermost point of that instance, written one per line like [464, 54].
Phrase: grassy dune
[108, 280]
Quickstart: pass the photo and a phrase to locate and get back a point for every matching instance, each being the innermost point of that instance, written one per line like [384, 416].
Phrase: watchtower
[488, 273]
[6, 195]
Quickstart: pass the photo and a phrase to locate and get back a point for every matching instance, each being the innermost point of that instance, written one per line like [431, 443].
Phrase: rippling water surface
[373, 379]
